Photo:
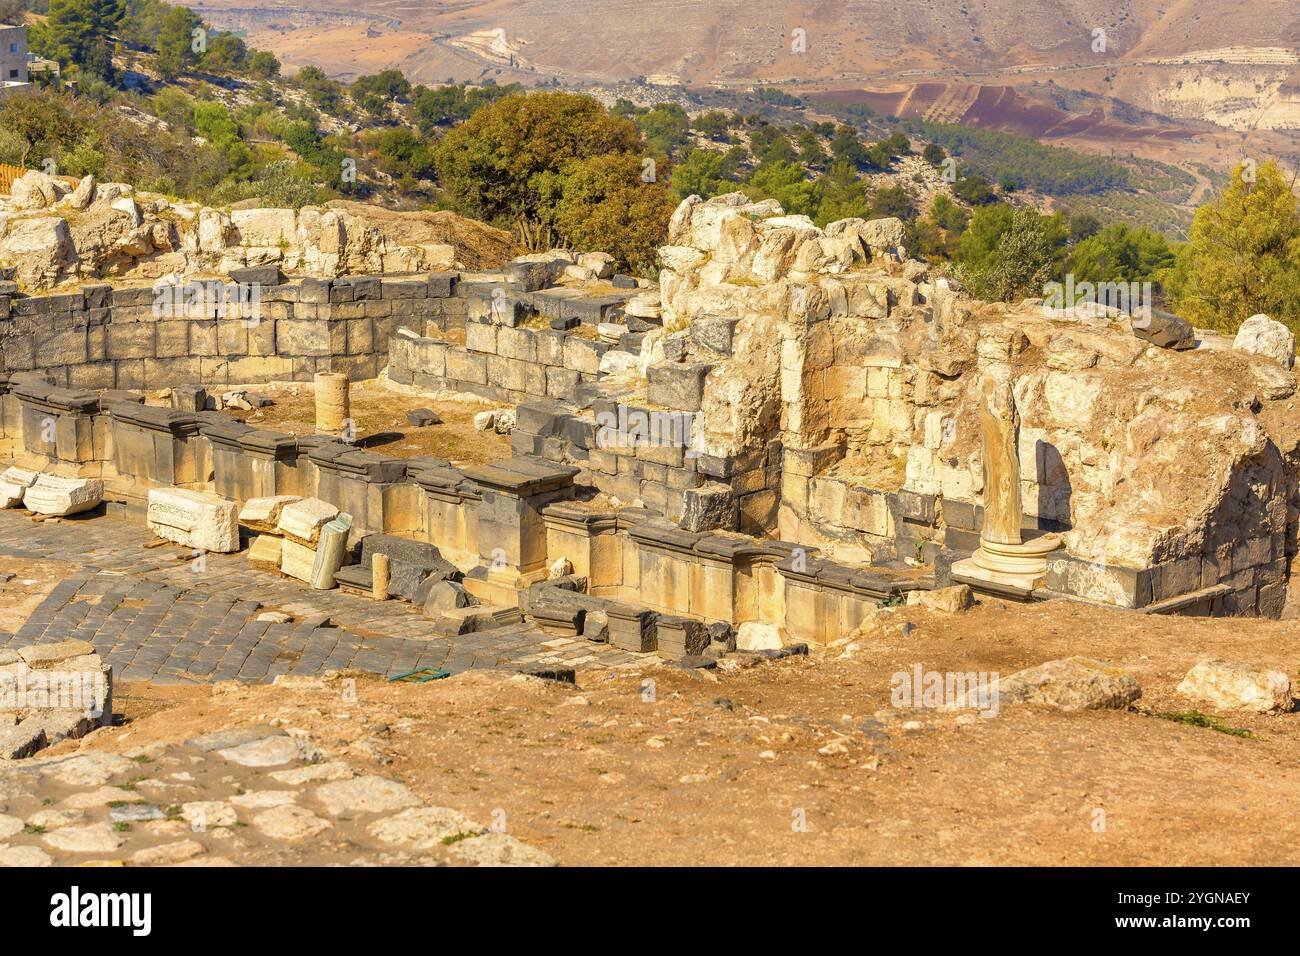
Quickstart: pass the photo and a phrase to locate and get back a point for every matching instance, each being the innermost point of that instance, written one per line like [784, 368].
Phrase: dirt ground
[31, 581]
[804, 761]
[379, 411]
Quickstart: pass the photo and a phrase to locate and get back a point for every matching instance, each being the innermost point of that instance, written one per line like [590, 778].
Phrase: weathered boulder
[41, 248]
[601, 264]
[538, 270]
[423, 417]
[50, 495]
[1165, 331]
[36, 190]
[84, 194]
[883, 235]
[194, 519]
[959, 597]
[1236, 685]
[1261, 335]
[446, 596]
[216, 231]
[1076, 683]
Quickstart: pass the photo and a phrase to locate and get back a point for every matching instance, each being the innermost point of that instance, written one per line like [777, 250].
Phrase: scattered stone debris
[49, 692]
[423, 417]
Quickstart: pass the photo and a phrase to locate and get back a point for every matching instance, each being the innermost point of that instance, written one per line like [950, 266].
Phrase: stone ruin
[792, 426]
[55, 234]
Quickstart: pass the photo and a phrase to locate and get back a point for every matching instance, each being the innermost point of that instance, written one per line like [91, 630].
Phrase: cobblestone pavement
[156, 614]
[258, 795]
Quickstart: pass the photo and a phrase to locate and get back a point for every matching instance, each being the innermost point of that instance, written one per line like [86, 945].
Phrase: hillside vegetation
[165, 102]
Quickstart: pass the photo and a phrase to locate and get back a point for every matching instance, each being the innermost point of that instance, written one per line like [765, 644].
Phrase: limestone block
[301, 521]
[755, 636]
[1236, 685]
[266, 551]
[13, 483]
[264, 227]
[194, 519]
[710, 507]
[51, 656]
[297, 560]
[263, 514]
[49, 495]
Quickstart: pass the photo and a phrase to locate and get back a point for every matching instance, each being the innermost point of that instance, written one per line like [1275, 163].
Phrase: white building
[13, 57]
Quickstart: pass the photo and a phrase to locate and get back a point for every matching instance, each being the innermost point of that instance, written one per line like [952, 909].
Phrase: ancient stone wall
[151, 337]
[503, 524]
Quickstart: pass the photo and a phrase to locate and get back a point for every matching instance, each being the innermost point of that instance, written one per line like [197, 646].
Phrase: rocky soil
[806, 760]
[379, 409]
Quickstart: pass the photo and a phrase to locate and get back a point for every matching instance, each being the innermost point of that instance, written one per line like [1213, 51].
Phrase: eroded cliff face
[53, 234]
[865, 367]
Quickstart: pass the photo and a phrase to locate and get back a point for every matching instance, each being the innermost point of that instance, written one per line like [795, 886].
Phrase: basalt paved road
[156, 614]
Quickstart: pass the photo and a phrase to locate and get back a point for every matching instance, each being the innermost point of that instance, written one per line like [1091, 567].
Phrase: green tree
[665, 128]
[76, 33]
[811, 153]
[1243, 255]
[37, 125]
[176, 42]
[701, 172]
[846, 147]
[1121, 253]
[786, 183]
[375, 94]
[263, 65]
[325, 93]
[226, 53]
[1008, 254]
[892, 201]
[843, 195]
[974, 189]
[489, 165]
[714, 124]
[402, 153]
[603, 203]
[948, 216]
